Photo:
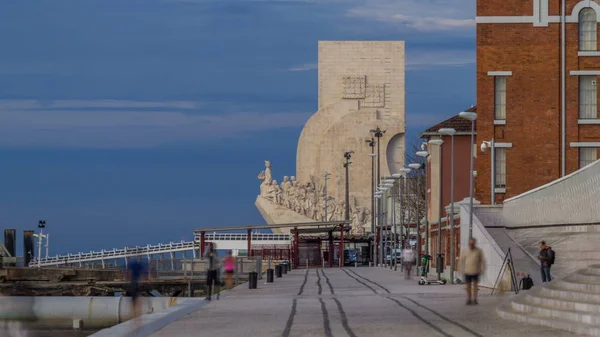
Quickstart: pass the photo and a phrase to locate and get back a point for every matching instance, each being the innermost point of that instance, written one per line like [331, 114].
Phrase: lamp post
[439, 267]
[451, 132]
[472, 116]
[424, 154]
[381, 217]
[390, 184]
[347, 155]
[416, 166]
[491, 144]
[41, 237]
[378, 133]
[371, 143]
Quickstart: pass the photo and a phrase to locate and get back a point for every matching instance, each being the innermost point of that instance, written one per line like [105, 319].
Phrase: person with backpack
[546, 258]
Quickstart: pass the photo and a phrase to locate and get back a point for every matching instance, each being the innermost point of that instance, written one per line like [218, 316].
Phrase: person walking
[408, 259]
[136, 268]
[472, 265]
[546, 258]
[229, 266]
[212, 274]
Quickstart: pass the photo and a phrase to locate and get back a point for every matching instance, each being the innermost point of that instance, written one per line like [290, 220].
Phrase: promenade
[363, 301]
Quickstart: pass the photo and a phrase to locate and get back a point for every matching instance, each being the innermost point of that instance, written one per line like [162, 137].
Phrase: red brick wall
[533, 110]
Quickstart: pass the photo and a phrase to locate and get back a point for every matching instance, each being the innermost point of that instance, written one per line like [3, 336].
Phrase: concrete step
[573, 285]
[562, 304]
[523, 306]
[506, 311]
[583, 276]
[550, 292]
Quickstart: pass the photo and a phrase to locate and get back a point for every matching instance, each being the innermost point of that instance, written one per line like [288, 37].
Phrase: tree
[413, 197]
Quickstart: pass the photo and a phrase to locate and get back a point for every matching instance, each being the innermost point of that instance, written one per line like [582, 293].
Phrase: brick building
[539, 107]
[437, 173]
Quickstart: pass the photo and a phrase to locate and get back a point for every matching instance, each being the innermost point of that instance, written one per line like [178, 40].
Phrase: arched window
[588, 26]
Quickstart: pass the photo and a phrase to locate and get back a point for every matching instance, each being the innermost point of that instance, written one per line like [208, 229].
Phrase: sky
[133, 122]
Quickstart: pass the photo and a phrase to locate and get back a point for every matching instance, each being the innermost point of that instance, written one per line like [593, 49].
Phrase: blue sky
[133, 122]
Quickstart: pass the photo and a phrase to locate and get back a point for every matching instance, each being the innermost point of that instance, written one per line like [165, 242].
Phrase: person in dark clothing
[136, 269]
[212, 274]
[546, 258]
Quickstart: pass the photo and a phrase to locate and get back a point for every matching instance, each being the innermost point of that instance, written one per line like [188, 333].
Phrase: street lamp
[416, 166]
[491, 144]
[424, 154]
[451, 132]
[381, 218]
[373, 155]
[471, 116]
[347, 155]
[439, 263]
[40, 237]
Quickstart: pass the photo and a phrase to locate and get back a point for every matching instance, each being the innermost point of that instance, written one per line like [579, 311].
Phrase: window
[500, 97]
[587, 155]
[587, 30]
[500, 167]
[588, 97]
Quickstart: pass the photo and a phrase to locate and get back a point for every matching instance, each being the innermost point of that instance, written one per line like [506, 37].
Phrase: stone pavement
[362, 301]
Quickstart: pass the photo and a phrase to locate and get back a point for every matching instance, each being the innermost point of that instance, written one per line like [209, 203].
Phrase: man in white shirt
[408, 259]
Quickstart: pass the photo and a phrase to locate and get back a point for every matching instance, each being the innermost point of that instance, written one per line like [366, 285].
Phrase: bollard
[252, 280]
[278, 272]
[270, 274]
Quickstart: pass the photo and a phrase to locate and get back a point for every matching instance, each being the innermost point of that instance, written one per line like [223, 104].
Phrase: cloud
[304, 67]
[421, 15]
[23, 125]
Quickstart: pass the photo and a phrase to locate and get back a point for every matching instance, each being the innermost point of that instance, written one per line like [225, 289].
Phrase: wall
[462, 171]
[533, 116]
[569, 200]
[493, 254]
[349, 109]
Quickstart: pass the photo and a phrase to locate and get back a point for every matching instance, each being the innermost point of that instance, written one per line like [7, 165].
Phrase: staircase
[571, 303]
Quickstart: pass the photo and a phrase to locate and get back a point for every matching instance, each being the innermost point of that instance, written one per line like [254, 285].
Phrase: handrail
[151, 249]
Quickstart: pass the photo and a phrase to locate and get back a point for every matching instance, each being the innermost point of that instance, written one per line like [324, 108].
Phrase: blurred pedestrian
[472, 265]
[136, 269]
[212, 274]
[229, 266]
[408, 259]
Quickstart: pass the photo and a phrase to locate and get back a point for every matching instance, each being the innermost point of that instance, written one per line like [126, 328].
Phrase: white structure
[227, 241]
[361, 87]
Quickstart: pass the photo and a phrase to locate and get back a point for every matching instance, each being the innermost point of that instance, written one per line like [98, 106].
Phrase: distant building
[521, 97]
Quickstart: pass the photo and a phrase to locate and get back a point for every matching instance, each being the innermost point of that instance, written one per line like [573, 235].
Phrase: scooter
[424, 280]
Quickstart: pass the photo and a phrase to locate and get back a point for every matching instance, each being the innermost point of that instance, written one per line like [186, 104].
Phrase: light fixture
[422, 153]
[468, 115]
[485, 145]
[447, 131]
[436, 142]
[372, 154]
[397, 175]
[414, 166]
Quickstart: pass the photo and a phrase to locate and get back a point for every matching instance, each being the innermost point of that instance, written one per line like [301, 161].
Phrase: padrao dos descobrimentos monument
[361, 87]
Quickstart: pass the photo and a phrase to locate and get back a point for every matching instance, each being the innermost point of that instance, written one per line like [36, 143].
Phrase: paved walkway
[371, 302]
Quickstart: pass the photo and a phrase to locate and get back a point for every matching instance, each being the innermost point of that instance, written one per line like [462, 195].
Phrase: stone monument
[361, 87]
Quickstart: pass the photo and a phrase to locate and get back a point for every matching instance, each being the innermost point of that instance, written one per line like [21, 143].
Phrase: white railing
[122, 253]
[171, 248]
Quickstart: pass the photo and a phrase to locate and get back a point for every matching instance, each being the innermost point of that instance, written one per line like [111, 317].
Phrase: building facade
[439, 178]
[537, 93]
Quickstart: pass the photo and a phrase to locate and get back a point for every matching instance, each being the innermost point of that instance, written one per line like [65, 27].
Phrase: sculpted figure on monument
[285, 187]
[266, 177]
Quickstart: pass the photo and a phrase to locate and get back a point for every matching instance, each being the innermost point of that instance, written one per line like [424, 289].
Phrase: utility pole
[40, 237]
[347, 155]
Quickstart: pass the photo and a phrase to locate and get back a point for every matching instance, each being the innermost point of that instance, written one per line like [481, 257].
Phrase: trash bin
[270, 274]
[439, 264]
[284, 268]
[252, 279]
[278, 272]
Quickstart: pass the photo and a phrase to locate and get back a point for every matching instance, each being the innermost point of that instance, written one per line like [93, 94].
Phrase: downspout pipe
[563, 88]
